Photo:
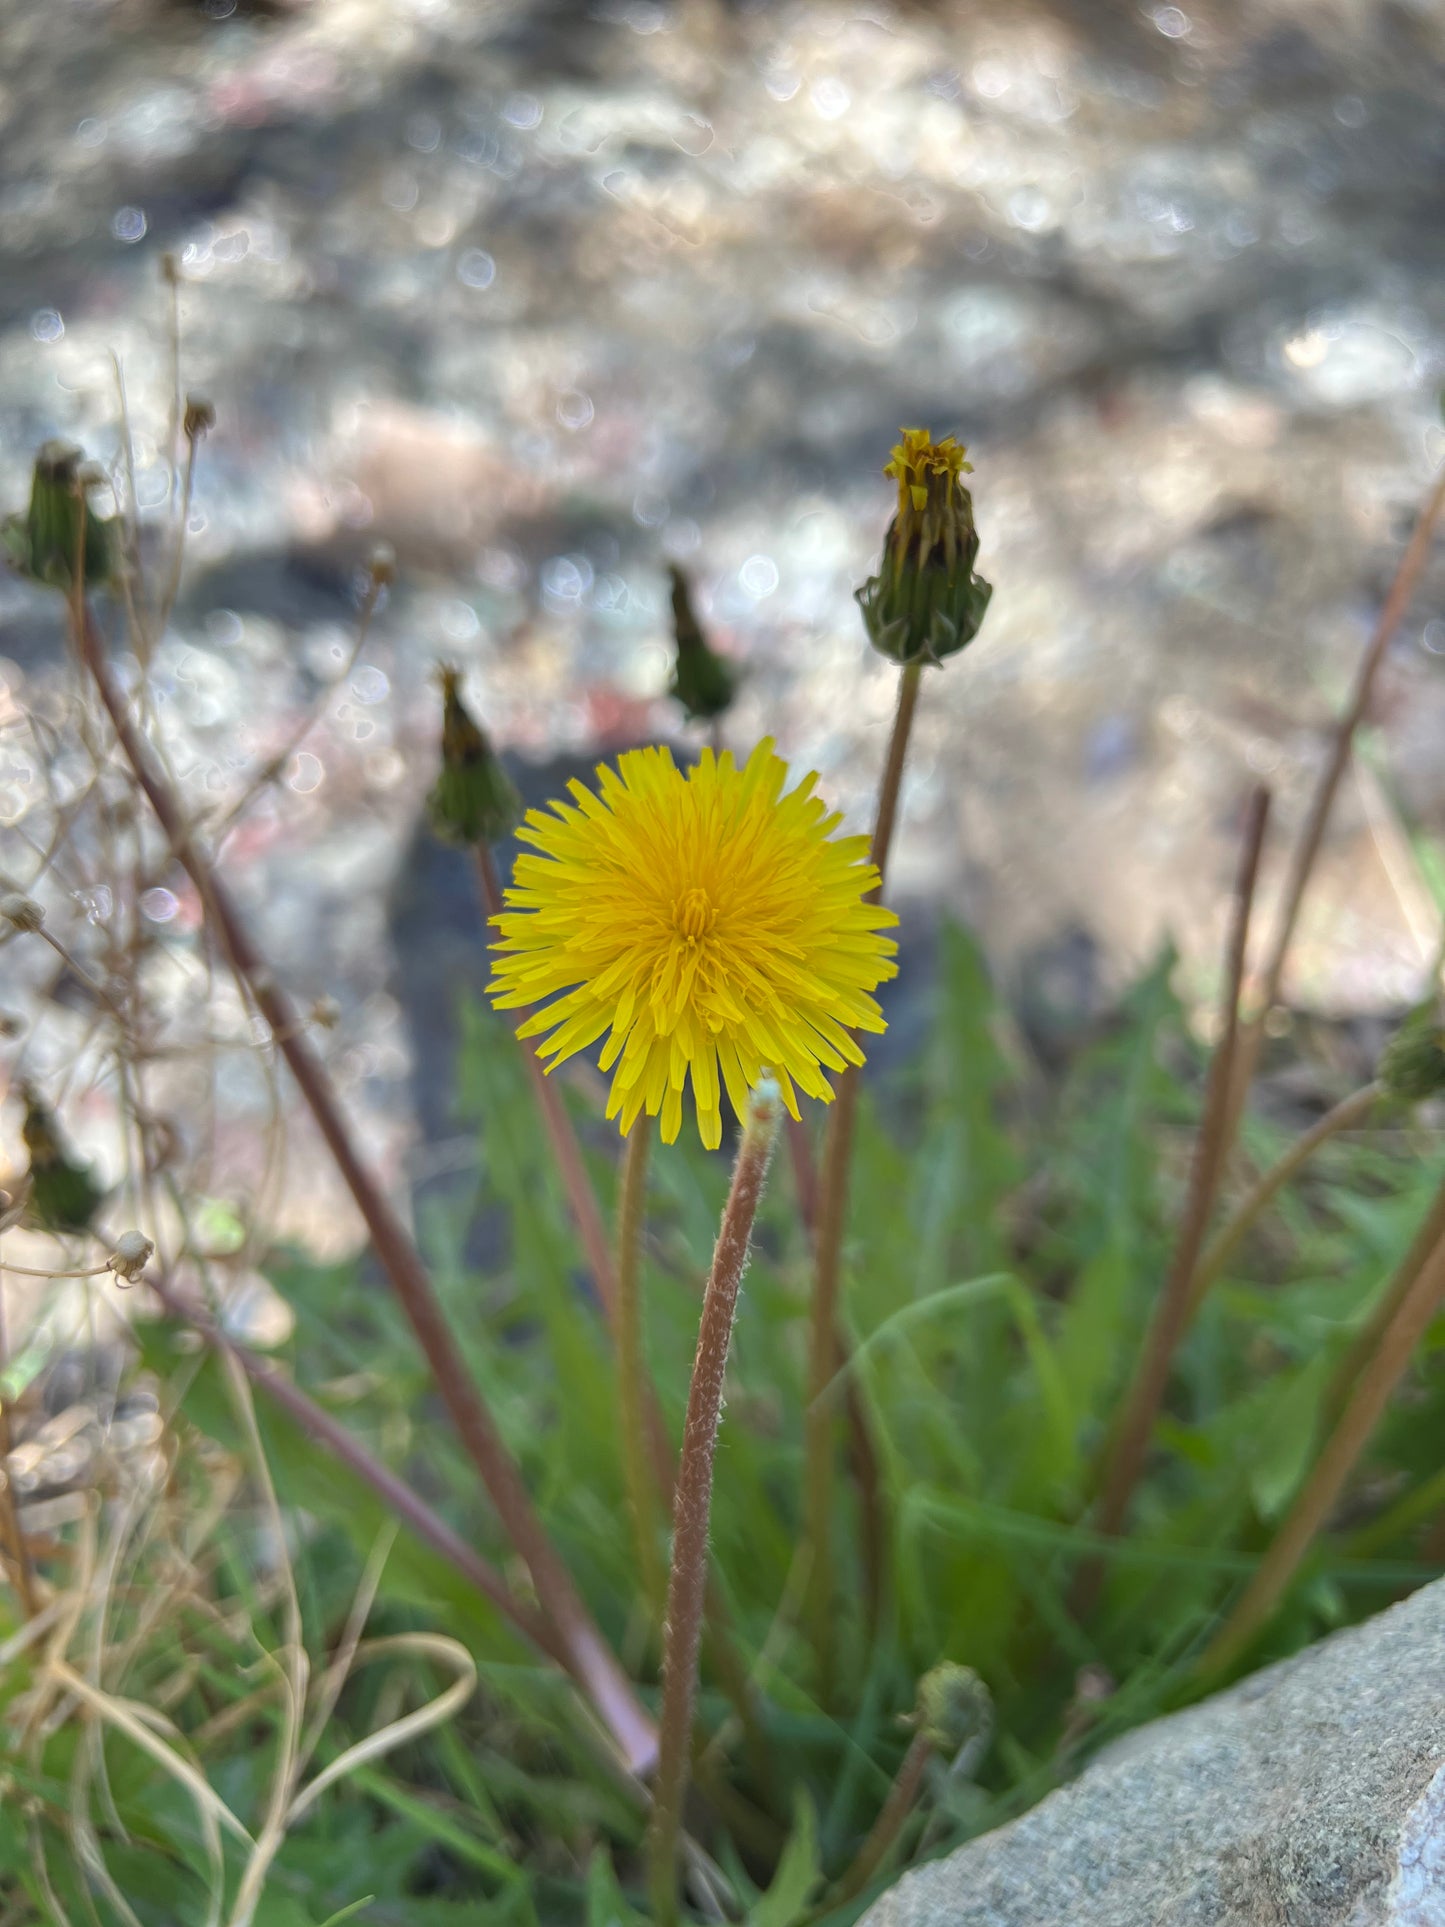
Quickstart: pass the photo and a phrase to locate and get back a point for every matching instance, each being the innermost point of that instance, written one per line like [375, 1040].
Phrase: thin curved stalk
[902, 1796]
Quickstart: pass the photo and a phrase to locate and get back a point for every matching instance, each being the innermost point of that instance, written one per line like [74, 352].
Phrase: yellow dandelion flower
[712, 925]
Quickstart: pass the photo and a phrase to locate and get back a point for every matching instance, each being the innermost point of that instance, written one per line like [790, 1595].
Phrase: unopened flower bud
[955, 1709]
[45, 542]
[199, 418]
[925, 602]
[21, 911]
[701, 680]
[381, 564]
[1412, 1064]
[473, 800]
[133, 1252]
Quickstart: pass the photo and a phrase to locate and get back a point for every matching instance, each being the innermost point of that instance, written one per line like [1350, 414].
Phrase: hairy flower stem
[828, 1258]
[692, 1498]
[1350, 1111]
[632, 1381]
[1311, 837]
[1317, 1497]
[589, 1656]
[902, 1797]
[1130, 1446]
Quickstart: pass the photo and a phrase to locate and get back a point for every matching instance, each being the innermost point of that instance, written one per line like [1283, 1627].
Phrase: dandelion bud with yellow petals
[1412, 1065]
[925, 602]
[473, 800]
[701, 680]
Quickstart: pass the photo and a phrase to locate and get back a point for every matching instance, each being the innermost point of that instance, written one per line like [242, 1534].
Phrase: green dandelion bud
[955, 1709]
[1412, 1064]
[473, 800]
[63, 1195]
[701, 680]
[44, 542]
[925, 602]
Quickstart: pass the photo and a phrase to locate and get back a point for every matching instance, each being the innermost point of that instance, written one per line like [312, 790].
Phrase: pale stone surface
[1311, 1795]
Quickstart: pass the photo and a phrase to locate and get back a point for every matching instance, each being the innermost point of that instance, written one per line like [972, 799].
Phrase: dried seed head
[133, 1252]
[22, 911]
[200, 417]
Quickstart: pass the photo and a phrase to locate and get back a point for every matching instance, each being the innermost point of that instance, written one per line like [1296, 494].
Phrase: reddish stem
[692, 1502]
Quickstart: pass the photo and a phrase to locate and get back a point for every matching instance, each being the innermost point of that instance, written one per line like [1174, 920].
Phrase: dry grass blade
[144, 1729]
[427, 1646]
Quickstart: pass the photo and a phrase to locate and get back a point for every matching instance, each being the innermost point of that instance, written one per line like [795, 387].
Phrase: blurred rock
[1311, 1795]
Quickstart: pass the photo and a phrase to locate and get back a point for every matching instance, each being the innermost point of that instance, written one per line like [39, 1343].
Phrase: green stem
[692, 1498]
[632, 1379]
[818, 1421]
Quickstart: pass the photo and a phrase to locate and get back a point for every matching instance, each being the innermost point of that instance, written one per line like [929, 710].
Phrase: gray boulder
[1310, 1795]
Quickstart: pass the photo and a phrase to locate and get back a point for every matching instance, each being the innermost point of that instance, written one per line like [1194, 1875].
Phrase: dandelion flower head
[708, 921]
